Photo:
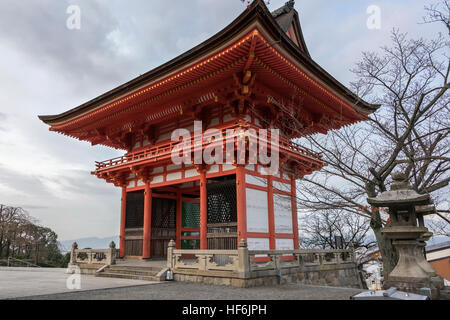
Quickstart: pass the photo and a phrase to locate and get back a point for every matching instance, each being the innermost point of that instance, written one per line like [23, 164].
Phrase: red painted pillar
[123, 212]
[271, 214]
[294, 212]
[179, 220]
[241, 202]
[147, 222]
[203, 211]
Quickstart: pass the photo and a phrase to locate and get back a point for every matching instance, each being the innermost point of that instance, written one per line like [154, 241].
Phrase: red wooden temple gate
[255, 74]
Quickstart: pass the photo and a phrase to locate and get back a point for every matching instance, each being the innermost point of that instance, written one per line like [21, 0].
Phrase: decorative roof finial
[289, 5]
[266, 1]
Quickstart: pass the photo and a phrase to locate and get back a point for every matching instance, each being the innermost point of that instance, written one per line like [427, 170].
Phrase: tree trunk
[1, 245]
[388, 252]
[36, 257]
[8, 244]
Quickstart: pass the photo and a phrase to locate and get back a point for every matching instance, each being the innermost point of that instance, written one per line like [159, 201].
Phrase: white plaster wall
[281, 186]
[228, 167]
[284, 244]
[173, 176]
[191, 173]
[257, 181]
[157, 179]
[283, 214]
[213, 169]
[258, 243]
[257, 211]
[440, 254]
[250, 167]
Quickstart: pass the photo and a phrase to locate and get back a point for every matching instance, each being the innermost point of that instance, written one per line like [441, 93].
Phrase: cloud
[3, 119]
[48, 69]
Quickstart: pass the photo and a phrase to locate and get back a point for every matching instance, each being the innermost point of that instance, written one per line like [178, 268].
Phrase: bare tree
[12, 220]
[21, 236]
[320, 229]
[438, 12]
[409, 133]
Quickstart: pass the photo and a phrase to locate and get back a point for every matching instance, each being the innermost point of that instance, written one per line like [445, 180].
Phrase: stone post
[73, 255]
[351, 248]
[111, 256]
[244, 262]
[203, 260]
[337, 257]
[170, 249]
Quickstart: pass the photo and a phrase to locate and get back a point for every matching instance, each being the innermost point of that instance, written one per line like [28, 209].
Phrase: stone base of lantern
[435, 279]
[409, 275]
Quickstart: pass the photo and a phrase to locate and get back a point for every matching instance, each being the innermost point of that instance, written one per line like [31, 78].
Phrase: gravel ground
[194, 291]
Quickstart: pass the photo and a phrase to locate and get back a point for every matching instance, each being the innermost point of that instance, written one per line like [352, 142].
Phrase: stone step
[127, 276]
[137, 269]
[134, 272]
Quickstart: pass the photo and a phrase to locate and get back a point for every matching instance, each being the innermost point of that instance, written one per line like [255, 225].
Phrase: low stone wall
[243, 268]
[339, 275]
[88, 261]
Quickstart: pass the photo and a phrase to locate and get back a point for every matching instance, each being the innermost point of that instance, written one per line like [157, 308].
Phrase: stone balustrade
[93, 256]
[247, 267]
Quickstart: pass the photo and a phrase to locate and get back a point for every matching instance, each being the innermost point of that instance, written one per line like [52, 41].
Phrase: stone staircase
[147, 273]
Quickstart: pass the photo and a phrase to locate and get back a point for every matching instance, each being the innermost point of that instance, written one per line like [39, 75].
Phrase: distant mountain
[94, 243]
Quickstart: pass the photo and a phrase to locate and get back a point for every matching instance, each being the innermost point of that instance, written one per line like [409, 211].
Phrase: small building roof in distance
[438, 246]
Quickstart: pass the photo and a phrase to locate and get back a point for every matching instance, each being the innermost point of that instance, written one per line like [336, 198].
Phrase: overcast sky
[45, 68]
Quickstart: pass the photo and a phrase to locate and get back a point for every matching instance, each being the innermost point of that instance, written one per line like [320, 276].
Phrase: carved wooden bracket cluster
[142, 173]
[119, 179]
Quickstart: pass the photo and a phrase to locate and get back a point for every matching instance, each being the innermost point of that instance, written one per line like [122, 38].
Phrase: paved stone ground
[194, 291]
[21, 282]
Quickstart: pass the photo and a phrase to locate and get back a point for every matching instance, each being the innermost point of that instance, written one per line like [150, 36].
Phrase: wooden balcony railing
[164, 151]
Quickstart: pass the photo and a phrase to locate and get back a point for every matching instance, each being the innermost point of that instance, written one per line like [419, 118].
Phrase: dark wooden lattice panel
[222, 215]
[163, 225]
[164, 213]
[222, 202]
[135, 210]
[191, 215]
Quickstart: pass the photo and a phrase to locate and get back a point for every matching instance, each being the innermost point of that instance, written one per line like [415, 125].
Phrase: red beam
[241, 202]
[271, 213]
[179, 220]
[147, 222]
[123, 212]
[294, 213]
[203, 211]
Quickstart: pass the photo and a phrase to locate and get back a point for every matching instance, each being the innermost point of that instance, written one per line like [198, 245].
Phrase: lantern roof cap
[401, 194]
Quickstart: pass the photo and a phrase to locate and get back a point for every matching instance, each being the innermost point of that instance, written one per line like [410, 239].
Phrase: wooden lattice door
[222, 215]
[134, 222]
[163, 226]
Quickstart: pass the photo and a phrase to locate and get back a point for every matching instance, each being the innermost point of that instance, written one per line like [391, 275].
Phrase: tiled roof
[438, 246]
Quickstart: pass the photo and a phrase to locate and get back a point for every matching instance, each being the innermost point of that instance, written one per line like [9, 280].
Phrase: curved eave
[257, 10]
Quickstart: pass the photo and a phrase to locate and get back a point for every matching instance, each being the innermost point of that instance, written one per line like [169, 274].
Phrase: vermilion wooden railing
[164, 151]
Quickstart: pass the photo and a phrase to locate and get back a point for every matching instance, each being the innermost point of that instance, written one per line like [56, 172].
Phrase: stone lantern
[408, 232]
